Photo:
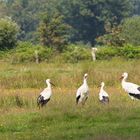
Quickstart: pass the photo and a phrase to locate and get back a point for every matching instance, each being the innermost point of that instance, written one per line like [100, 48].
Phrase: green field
[61, 119]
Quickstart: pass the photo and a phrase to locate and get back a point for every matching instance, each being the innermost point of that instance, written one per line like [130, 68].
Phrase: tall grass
[67, 75]
[61, 119]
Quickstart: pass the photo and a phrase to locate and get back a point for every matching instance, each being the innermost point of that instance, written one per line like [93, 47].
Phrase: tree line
[56, 23]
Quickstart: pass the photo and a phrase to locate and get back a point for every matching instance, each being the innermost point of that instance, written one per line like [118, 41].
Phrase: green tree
[89, 17]
[8, 33]
[112, 37]
[3, 9]
[131, 30]
[86, 17]
[53, 31]
[136, 4]
[21, 12]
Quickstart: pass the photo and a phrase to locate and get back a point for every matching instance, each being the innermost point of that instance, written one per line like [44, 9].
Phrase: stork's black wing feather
[105, 99]
[135, 95]
[40, 99]
[77, 99]
[138, 88]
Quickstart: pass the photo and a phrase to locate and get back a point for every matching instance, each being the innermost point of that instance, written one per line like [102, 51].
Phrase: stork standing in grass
[45, 95]
[132, 89]
[103, 95]
[83, 91]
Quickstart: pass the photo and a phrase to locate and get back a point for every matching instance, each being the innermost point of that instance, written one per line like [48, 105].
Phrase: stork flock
[82, 93]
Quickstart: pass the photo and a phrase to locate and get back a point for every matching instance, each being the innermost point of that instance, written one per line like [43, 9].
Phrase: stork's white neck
[49, 85]
[102, 87]
[85, 81]
[124, 79]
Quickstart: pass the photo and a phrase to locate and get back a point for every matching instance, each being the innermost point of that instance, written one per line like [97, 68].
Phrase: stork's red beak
[52, 84]
[121, 77]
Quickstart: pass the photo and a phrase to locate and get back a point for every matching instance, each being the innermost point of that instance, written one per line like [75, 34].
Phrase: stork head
[85, 76]
[124, 75]
[102, 84]
[48, 81]
[94, 49]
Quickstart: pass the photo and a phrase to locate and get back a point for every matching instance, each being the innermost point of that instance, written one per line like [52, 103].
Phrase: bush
[76, 53]
[8, 33]
[25, 52]
[107, 52]
[128, 52]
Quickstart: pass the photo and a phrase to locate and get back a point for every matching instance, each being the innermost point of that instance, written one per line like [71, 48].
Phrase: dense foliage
[25, 52]
[136, 8]
[131, 30]
[87, 18]
[112, 37]
[8, 33]
[56, 26]
[53, 31]
[76, 53]
[127, 52]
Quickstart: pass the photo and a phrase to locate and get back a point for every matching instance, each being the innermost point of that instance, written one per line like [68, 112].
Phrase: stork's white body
[103, 95]
[83, 91]
[132, 89]
[45, 95]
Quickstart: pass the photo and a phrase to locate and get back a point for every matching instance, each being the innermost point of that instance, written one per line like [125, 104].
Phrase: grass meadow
[61, 119]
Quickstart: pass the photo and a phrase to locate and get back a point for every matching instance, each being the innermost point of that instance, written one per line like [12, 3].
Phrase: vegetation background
[42, 39]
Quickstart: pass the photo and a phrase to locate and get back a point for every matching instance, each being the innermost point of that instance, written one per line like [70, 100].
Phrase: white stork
[83, 91]
[103, 95]
[132, 89]
[45, 95]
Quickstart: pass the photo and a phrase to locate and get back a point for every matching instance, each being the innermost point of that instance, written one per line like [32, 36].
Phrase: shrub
[25, 52]
[106, 52]
[128, 52]
[75, 53]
